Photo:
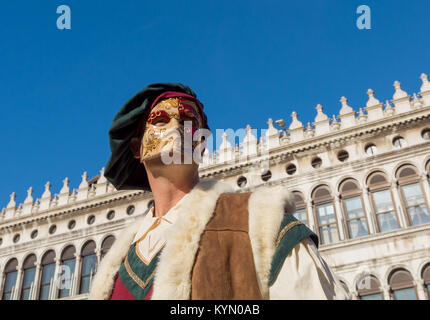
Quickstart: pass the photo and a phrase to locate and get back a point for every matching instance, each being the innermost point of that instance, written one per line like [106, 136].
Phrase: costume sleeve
[305, 275]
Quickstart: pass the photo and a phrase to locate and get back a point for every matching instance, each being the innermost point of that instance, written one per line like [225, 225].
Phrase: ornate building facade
[361, 181]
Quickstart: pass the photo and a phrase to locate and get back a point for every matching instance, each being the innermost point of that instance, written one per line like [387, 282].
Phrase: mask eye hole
[160, 122]
[159, 118]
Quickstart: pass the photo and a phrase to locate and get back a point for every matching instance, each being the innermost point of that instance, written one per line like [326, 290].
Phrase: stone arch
[426, 165]
[403, 164]
[306, 196]
[344, 178]
[325, 186]
[45, 251]
[295, 191]
[10, 263]
[422, 268]
[64, 246]
[391, 269]
[375, 170]
[103, 249]
[83, 242]
[28, 255]
[347, 284]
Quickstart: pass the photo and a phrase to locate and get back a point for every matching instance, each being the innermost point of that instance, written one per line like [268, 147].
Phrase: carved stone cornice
[72, 209]
[329, 141]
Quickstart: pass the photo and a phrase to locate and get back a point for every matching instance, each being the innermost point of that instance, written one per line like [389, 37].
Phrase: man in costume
[201, 240]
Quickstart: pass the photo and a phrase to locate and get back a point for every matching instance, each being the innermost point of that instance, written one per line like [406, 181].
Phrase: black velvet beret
[123, 170]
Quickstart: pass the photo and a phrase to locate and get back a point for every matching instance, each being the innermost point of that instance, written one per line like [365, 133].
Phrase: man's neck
[169, 189]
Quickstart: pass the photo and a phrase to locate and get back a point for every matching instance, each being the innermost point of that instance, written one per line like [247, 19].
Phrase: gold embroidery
[285, 230]
[154, 225]
[135, 277]
[146, 261]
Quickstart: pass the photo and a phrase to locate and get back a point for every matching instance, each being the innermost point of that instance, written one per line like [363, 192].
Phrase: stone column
[1, 285]
[76, 276]
[354, 295]
[36, 282]
[421, 290]
[310, 213]
[386, 292]
[99, 256]
[54, 288]
[426, 188]
[370, 215]
[17, 290]
[341, 222]
[398, 205]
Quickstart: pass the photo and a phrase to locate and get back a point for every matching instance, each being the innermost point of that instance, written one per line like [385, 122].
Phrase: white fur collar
[195, 212]
[266, 207]
[103, 281]
[172, 279]
[173, 276]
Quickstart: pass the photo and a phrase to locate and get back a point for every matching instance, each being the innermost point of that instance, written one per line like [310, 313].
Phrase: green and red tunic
[135, 278]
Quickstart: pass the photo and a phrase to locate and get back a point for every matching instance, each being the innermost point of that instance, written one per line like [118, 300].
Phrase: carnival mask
[170, 128]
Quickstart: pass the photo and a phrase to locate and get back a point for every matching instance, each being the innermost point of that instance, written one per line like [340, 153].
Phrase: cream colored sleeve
[306, 276]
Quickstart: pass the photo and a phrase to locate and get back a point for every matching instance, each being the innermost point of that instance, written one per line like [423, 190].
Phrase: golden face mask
[167, 128]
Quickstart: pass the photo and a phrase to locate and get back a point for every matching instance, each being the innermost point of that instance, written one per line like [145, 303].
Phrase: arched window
[369, 288]
[68, 261]
[10, 275]
[29, 269]
[402, 285]
[412, 195]
[106, 244]
[325, 215]
[382, 202]
[89, 265]
[47, 278]
[353, 209]
[426, 279]
[300, 213]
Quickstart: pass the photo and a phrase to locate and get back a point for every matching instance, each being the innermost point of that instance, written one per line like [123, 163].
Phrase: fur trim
[173, 276]
[103, 282]
[266, 208]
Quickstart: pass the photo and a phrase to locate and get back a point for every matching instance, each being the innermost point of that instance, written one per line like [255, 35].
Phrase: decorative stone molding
[82, 192]
[401, 99]
[226, 153]
[296, 129]
[416, 102]
[346, 114]
[249, 143]
[322, 122]
[373, 107]
[425, 89]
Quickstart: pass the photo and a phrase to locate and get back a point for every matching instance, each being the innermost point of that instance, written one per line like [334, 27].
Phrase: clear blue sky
[247, 61]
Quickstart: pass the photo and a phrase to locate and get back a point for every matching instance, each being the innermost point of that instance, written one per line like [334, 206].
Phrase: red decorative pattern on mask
[157, 115]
